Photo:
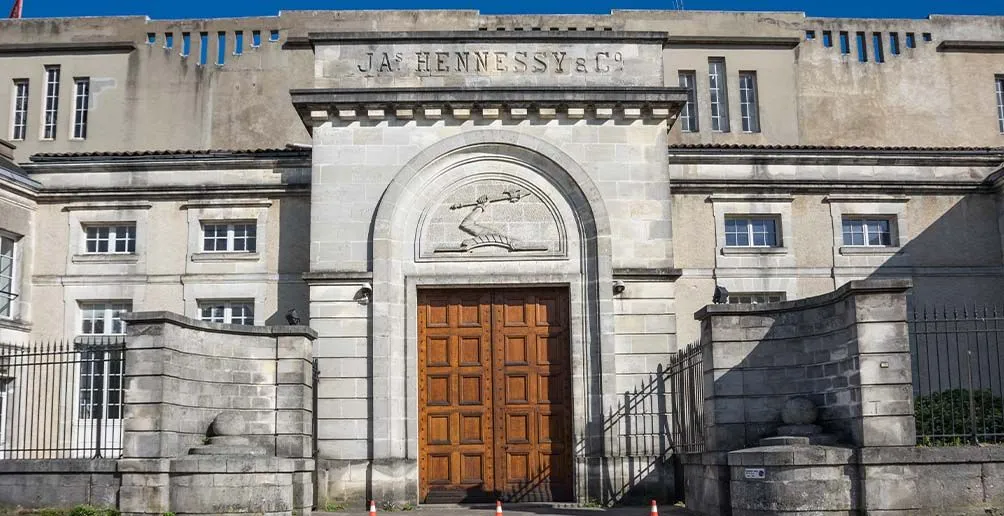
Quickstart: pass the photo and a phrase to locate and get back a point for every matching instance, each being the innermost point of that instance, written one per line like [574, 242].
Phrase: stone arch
[394, 434]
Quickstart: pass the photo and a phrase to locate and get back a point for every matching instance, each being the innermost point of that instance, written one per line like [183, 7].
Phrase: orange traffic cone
[655, 509]
[372, 507]
[498, 507]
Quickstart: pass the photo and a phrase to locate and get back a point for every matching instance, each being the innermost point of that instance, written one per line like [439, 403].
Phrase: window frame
[81, 108]
[20, 97]
[7, 311]
[749, 102]
[866, 220]
[999, 86]
[718, 94]
[689, 119]
[231, 238]
[50, 106]
[111, 239]
[227, 307]
[750, 232]
[111, 311]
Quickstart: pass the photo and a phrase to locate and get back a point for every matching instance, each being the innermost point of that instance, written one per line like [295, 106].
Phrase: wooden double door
[495, 404]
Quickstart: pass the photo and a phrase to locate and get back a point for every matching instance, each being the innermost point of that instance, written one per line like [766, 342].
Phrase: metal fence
[958, 374]
[686, 379]
[62, 399]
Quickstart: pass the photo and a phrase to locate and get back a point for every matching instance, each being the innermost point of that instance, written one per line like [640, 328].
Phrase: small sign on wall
[756, 473]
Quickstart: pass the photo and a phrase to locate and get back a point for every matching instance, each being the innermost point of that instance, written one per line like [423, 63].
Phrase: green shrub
[943, 418]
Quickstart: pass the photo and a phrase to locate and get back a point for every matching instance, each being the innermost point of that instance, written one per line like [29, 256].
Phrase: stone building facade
[499, 226]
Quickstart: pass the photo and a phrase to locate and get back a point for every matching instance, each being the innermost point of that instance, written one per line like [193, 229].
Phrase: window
[894, 43]
[221, 48]
[1000, 102]
[227, 312]
[7, 294]
[911, 42]
[827, 39]
[110, 239]
[748, 105]
[238, 43]
[103, 318]
[867, 232]
[751, 232]
[810, 35]
[101, 384]
[862, 48]
[688, 116]
[186, 44]
[273, 35]
[151, 38]
[845, 43]
[235, 237]
[719, 95]
[168, 40]
[19, 117]
[927, 37]
[81, 103]
[203, 47]
[755, 298]
[255, 38]
[51, 102]
[877, 47]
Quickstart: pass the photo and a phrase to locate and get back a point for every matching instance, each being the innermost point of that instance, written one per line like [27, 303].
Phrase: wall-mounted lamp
[619, 287]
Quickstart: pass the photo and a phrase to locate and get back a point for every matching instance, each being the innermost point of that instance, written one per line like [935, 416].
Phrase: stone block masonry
[181, 373]
[58, 482]
[847, 351]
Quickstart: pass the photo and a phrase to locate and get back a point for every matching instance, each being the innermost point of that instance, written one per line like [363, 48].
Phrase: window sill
[106, 258]
[14, 324]
[226, 257]
[851, 250]
[727, 251]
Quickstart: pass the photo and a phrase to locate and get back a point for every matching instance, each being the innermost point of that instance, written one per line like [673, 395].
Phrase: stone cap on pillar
[856, 287]
[155, 317]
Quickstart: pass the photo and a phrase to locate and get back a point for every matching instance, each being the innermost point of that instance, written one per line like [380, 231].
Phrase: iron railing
[62, 399]
[957, 374]
[686, 383]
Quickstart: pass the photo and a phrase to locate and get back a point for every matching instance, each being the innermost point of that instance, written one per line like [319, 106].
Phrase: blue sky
[172, 9]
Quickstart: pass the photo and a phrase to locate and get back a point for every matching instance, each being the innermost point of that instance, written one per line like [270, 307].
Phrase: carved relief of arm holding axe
[469, 225]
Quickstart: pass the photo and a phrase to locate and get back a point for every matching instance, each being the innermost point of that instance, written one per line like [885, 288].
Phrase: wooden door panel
[495, 407]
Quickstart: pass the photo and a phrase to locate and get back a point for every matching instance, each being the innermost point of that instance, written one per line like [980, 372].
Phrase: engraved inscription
[491, 62]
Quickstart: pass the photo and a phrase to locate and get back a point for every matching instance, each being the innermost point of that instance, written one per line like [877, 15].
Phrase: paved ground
[521, 510]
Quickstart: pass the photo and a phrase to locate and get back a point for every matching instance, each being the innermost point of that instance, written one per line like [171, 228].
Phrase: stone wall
[181, 373]
[58, 482]
[848, 351]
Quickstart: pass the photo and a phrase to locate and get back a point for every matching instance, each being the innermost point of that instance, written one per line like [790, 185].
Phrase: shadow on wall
[776, 351]
[651, 427]
[293, 258]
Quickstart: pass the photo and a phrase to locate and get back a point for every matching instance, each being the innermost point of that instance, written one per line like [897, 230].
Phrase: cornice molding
[560, 36]
[973, 47]
[317, 106]
[745, 42]
[81, 47]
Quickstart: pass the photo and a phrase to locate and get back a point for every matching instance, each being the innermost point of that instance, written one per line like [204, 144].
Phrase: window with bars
[719, 95]
[1000, 103]
[101, 384]
[755, 298]
[748, 102]
[51, 111]
[7, 262]
[81, 104]
[101, 369]
[100, 239]
[688, 116]
[869, 232]
[230, 237]
[751, 232]
[227, 312]
[19, 114]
